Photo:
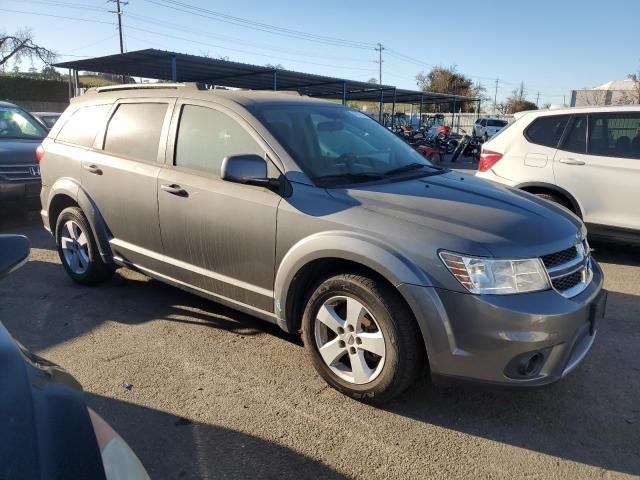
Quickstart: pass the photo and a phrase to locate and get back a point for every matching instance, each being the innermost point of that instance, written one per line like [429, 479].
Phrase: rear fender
[72, 189]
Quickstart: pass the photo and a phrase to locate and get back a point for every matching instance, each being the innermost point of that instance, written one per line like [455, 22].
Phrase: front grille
[565, 283]
[19, 173]
[559, 258]
[569, 269]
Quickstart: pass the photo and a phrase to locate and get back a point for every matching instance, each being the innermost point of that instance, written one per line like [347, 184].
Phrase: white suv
[587, 159]
[486, 127]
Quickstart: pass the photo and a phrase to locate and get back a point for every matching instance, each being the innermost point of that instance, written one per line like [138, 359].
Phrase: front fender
[354, 247]
[70, 188]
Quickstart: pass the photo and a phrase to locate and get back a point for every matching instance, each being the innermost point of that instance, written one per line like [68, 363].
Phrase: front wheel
[362, 339]
[78, 250]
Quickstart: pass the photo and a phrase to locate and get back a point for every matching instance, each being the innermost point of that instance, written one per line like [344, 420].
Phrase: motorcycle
[469, 146]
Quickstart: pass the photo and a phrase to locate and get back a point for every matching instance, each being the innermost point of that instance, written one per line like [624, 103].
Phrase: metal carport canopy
[180, 67]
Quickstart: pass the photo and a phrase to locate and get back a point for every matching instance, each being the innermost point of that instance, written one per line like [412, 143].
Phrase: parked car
[49, 119]
[47, 429]
[312, 216]
[586, 159]
[486, 127]
[20, 135]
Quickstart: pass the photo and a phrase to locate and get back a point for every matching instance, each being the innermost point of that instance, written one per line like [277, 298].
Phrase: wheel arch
[324, 254]
[67, 192]
[542, 187]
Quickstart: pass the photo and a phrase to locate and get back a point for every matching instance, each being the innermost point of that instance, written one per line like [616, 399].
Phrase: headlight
[498, 277]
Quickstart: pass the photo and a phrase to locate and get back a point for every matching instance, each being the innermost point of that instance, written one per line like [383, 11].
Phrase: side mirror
[14, 251]
[247, 169]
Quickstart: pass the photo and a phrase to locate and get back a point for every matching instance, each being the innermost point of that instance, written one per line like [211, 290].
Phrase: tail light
[488, 159]
[39, 154]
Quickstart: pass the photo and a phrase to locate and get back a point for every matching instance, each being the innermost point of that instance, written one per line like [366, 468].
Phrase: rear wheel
[361, 337]
[78, 250]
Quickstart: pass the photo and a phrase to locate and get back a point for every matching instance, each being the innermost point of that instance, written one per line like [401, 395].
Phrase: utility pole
[495, 97]
[379, 49]
[537, 99]
[119, 12]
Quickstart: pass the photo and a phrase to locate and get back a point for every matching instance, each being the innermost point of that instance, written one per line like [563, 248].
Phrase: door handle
[93, 169]
[571, 161]
[174, 189]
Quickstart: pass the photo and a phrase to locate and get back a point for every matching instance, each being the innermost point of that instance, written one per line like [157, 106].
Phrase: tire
[78, 250]
[550, 197]
[384, 324]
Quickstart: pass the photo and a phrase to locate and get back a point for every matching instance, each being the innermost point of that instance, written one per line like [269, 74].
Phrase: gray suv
[314, 217]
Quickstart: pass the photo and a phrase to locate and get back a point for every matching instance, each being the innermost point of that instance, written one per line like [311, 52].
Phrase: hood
[18, 152]
[503, 221]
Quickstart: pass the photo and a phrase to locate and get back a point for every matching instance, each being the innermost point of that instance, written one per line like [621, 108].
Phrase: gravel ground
[218, 394]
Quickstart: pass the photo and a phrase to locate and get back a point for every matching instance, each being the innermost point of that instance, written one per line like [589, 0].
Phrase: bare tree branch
[20, 46]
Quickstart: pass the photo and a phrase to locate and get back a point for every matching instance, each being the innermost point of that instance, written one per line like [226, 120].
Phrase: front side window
[81, 128]
[336, 145]
[206, 136]
[134, 130]
[496, 123]
[576, 140]
[547, 130]
[615, 134]
[16, 124]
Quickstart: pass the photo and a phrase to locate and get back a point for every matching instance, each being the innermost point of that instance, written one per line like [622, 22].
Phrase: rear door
[121, 173]
[599, 163]
[218, 236]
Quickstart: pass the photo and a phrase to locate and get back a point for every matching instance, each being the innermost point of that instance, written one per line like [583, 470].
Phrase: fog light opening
[530, 366]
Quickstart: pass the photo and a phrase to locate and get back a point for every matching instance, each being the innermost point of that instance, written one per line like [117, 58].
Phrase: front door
[218, 236]
[600, 167]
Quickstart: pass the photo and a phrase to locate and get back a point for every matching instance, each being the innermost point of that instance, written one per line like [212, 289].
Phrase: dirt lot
[217, 394]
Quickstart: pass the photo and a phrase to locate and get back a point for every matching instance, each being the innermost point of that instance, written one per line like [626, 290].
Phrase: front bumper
[480, 337]
[20, 191]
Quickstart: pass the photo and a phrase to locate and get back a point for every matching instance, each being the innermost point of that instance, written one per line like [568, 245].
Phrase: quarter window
[576, 140]
[615, 135]
[547, 130]
[134, 130]
[206, 136]
[83, 125]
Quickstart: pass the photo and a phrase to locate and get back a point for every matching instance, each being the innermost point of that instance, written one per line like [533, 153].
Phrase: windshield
[336, 145]
[15, 123]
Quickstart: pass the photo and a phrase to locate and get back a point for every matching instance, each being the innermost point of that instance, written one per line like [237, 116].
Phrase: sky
[552, 46]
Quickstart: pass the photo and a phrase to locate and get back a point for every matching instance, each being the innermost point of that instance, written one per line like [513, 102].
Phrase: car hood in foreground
[18, 152]
[503, 221]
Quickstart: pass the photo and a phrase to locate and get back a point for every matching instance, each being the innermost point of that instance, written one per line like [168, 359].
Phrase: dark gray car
[312, 216]
[20, 135]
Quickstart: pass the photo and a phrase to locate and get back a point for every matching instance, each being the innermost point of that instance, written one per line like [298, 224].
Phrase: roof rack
[138, 86]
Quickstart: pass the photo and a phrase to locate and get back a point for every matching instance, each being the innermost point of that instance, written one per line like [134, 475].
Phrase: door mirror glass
[246, 169]
[14, 251]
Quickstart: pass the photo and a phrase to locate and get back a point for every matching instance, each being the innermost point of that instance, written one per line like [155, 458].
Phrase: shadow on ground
[160, 439]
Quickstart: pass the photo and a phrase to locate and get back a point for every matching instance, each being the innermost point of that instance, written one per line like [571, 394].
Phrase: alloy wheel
[349, 340]
[75, 247]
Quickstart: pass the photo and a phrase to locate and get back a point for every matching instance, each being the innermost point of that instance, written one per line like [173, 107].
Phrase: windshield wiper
[349, 177]
[415, 166]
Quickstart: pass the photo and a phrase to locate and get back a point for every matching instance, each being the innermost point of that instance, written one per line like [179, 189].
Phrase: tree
[518, 102]
[372, 80]
[449, 80]
[50, 73]
[635, 78]
[20, 46]
[275, 67]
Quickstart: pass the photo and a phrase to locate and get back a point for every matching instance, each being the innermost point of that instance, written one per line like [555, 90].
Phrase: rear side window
[206, 136]
[83, 125]
[576, 140]
[546, 130]
[496, 123]
[615, 135]
[134, 130]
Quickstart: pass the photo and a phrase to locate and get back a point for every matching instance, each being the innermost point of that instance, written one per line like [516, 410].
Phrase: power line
[264, 27]
[119, 13]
